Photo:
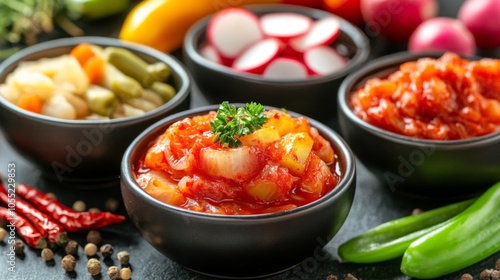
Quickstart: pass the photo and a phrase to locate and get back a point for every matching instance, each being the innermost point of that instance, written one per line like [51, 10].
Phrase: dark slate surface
[373, 205]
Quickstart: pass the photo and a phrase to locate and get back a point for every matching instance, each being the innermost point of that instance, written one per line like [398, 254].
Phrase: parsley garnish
[232, 122]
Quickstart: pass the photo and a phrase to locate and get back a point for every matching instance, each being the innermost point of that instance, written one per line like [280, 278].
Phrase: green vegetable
[22, 21]
[134, 66]
[165, 91]
[467, 238]
[122, 85]
[391, 239]
[232, 122]
[101, 101]
[95, 9]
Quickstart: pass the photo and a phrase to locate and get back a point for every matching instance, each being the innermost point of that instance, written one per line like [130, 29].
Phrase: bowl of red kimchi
[428, 124]
[244, 210]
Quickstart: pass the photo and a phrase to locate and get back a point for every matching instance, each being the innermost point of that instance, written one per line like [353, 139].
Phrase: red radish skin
[482, 17]
[323, 60]
[323, 32]
[285, 26]
[442, 34]
[256, 58]
[306, 3]
[395, 20]
[210, 53]
[232, 30]
[283, 68]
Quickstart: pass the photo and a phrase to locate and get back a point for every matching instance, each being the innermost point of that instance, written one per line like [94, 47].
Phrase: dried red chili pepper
[71, 220]
[24, 228]
[43, 222]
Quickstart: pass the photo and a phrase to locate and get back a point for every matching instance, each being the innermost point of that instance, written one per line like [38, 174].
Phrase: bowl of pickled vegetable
[72, 106]
[281, 55]
[236, 190]
[427, 124]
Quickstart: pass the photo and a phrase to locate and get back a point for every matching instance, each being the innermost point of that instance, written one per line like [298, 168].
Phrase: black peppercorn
[94, 237]
[106, 250]
[71, 248]
[19, 247]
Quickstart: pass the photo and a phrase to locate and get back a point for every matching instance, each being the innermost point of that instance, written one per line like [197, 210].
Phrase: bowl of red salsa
[247, 210]
[427, 124]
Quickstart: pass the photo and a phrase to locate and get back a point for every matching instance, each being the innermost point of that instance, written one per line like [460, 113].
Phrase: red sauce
[448, 98]
[186, 168]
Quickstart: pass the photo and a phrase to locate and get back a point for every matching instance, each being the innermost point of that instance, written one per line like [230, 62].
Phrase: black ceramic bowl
[82, 153]
[417, 167]
[243, 246]
[315, 97]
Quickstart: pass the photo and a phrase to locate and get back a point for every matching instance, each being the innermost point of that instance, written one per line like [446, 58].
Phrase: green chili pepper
[391, 239]
[467, 238]
[95, 9]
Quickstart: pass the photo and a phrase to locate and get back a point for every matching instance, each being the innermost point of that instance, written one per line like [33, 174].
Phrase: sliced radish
[285, 68]
[324, 60]
[285, 26]
[209, 52]
[258, 56]
[232, 30]
[323, 32]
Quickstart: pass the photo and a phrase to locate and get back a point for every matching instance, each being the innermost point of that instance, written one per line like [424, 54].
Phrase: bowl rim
[385, 63]
[360, 40]
[177, 67]
[348, 179]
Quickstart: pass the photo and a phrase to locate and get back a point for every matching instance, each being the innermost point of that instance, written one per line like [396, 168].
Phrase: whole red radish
[284, 68]
[323, 32]
[256, 58]
[285, 26]
[349, 10]
[442, 34]
[395, 20]
[482, 18]
[232, 30]
[323, 60]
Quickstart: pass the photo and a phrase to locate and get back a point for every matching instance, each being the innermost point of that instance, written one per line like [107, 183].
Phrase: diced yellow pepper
[296, 149]
[280, 121]
[263, 190]
[261, 136]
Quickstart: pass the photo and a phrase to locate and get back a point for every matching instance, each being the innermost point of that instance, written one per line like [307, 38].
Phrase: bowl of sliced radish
[283, 55]
[71, 106]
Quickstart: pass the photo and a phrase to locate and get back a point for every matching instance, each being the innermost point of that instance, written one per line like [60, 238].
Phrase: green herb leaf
[231, 122]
